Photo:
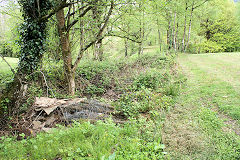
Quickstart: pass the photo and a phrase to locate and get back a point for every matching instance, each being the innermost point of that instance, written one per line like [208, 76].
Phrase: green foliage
[134, 140]
[131, 104]
[172, 89]
[53, 51]
[6, 50]
[152, 79]
[32, 34]
[98, 76]
[10, 20]
[211, 47]
[159, 80]
[151, 60]
[5, 79]
[194, 48]
[3, 106]
[221, 29]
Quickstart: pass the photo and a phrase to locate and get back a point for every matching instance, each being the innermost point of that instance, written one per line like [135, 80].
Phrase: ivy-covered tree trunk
[32, 39]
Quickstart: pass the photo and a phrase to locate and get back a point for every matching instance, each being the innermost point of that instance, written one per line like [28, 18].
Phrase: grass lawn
[5, 71]
[219, 77]
[4, 68]
[205, 122]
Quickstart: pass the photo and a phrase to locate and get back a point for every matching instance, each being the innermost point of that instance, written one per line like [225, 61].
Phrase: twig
[35, 119]
[45, 83]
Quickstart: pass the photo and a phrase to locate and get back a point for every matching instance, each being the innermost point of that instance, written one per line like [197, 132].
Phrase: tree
[221, 29]
[32, 39]
[10, 20]
[65, 24]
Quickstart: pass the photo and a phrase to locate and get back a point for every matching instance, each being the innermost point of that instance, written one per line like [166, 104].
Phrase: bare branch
[55, 10]
[46, 83]
[81, 15]
[79, 9]
[98, 37]
[123, 36]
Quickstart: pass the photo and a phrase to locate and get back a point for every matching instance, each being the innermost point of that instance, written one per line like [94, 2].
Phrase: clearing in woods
[204, 124]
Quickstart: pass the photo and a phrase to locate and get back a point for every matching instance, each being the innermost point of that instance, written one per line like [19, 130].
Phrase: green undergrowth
[136, 139]
[94, 78]
[131, 104]
[146, 87]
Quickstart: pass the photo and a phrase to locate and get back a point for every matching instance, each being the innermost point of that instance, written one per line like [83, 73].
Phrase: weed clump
[131, 104]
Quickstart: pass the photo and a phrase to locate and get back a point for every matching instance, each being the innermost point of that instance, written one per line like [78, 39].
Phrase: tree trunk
[31, 53]
[99, 50]
[184, 30]
[140, 49]
[159, 40]
[190, 26]
[140, 46]
[159, 36]
[97, 14]
[173, 32]
[169, 35]
[126, 47]
[176, 39]
[66, 52]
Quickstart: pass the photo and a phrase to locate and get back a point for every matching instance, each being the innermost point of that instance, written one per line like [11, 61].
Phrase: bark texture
[66, 51]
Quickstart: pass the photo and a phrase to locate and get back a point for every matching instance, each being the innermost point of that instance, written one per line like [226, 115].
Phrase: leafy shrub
[194, 48]
[88, 141]
[172, 89]
[6, 50]
[5, 79]
[211, 47]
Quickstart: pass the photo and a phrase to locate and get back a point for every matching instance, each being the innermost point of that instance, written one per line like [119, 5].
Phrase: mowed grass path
[220, 74]
[204, 124]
